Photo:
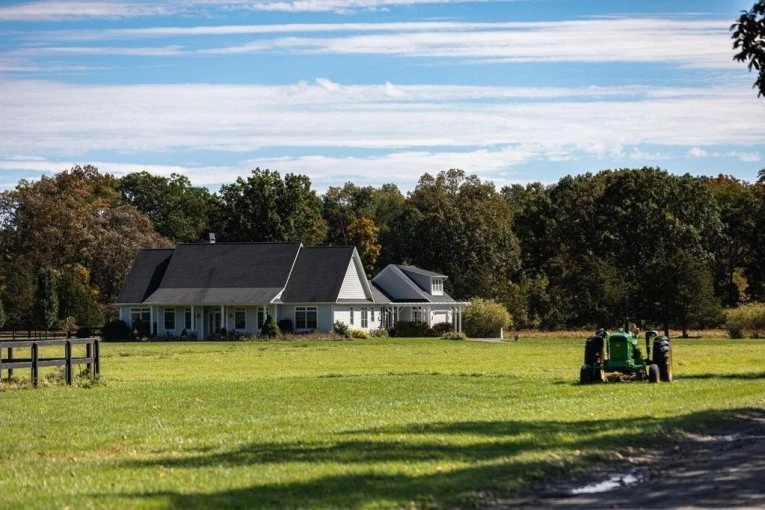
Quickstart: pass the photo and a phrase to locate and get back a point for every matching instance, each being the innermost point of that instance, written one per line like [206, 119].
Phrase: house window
[437, 286]
[169, 318]
[305, 317]
[240, 318]
[364, 317]
[140, 315]
[187, 318]
[417, 314]
[261, 317]
[351, 316]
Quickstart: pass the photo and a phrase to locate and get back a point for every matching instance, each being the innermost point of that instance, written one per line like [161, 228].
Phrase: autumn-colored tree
[362, 233]
[75, 217]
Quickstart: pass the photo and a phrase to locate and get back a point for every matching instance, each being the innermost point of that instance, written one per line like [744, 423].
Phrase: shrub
[359, 333]
[453, 335]
[285, 326]
[116, 331]
[379, 333]
[341, 328]
[442, 327]
[484, 318]
[746, 320]
[270, 328]
[410, 329]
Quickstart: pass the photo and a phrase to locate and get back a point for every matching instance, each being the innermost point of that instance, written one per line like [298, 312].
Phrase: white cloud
[687, 43]
[61, 10]
[327, 84]
[697, 152]
[53, 118]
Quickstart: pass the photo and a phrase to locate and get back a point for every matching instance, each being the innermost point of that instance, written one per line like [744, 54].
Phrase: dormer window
[437, 286]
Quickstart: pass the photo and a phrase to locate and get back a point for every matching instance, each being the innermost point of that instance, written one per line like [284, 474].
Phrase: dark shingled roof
[318, 274]
[417, 270]
[145, 275]
[230, 266]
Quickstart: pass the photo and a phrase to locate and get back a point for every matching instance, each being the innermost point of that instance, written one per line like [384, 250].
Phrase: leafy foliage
[116, 331]
[409, 329]
[178, 210]
[265, 207]
[484, 318]
[270, 328]
[746, 320]
[749, 40]
[46, 299]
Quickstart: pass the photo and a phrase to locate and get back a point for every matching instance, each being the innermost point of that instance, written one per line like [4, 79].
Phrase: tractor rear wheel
[585, 374]
[653, 373]
[662, 356]
[593, 349]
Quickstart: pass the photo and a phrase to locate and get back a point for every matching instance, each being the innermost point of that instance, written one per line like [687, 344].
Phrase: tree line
[668, 250]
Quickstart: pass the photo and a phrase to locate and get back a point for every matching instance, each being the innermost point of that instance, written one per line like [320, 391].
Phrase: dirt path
[720, 470]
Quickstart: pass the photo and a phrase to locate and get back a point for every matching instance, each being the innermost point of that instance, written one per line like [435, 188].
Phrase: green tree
[466, 233]
[76, 298]
[749, 42]
[484, 318]
[2, 314]
[46, 299]
[265, 207]
[178, 210]
[18, 295]
[733, 254]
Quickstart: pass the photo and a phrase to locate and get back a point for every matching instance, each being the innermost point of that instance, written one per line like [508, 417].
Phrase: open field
[353, 424]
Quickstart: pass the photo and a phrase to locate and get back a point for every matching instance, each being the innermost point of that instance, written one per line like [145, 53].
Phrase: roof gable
[318, 274]
[399, 286]
[145, 276]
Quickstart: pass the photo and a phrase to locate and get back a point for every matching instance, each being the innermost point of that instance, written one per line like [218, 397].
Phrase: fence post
[35, 361]
[68, 362]
[97, 356]
[10, 359]
[89, 355]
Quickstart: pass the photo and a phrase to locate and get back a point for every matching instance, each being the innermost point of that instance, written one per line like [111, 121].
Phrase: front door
[214, 322]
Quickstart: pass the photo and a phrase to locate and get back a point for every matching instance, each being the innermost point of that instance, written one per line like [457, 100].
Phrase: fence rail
[10, 362]
[45, 334]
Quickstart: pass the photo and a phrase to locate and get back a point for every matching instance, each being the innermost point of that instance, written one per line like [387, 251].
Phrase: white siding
[324, 318]
[352, 287]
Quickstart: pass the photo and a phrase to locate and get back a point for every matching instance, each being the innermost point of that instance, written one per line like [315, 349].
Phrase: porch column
[193, 319]
[223, 323]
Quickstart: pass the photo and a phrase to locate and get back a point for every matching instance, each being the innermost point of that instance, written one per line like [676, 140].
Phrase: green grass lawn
[354, 424]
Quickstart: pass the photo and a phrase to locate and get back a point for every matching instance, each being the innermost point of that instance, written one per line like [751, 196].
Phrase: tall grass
[379, 423]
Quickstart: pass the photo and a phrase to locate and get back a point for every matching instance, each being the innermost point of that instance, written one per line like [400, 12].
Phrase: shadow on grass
[743, 376]
[507, 457]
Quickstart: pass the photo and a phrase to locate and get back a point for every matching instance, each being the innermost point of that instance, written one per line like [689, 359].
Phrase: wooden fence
[11, 361]
[45, 334]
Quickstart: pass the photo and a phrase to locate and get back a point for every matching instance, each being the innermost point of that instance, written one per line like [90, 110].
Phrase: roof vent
[209, 237]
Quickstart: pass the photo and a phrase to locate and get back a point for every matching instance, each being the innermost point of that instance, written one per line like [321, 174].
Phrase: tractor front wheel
[653, 373]
[585, 374]
[662, 356]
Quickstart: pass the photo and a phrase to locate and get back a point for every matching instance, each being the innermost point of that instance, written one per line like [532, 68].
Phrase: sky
[375, 91]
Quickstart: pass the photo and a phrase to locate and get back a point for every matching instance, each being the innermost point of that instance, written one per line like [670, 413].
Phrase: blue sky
[375, 91]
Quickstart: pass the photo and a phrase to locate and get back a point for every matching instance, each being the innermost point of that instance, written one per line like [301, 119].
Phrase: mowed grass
[356, 424]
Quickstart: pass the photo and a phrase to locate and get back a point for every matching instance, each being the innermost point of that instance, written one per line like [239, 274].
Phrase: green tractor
[620, 354]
